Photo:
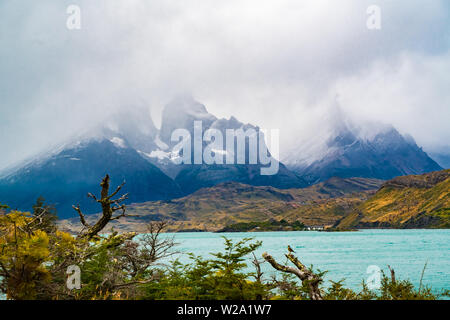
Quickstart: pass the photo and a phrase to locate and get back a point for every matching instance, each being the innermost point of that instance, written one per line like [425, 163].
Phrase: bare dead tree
[134, 257]
[284, 284]
[306, 275]
[157, 248]
[137, 258]
[392, 274]
[109, 207]
[257, 263]
[258, 274]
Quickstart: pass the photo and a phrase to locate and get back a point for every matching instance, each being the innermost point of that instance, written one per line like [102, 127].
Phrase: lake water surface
[346, 255]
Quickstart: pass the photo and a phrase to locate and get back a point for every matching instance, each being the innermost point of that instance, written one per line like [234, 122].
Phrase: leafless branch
[108, 208]
[90, 195]
[82, 218]
[304, 274]
[116, 192]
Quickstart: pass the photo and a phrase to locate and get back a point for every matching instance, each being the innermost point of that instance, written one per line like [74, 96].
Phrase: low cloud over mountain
[129, 147]
[364, 150]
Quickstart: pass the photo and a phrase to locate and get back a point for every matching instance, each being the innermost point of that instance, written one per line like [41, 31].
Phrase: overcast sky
[277, 64]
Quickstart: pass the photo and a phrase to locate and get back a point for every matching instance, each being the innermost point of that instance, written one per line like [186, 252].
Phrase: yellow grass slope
[421, 201]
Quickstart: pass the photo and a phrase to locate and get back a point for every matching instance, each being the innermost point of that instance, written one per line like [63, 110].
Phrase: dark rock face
[181, 113]
[65, 179]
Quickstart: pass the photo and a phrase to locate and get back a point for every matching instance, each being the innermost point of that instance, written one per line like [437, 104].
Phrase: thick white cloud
[411, 93]
[279, 64]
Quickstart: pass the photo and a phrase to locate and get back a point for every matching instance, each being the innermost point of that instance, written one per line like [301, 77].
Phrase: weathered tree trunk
[109, 206]
[392, 274]
[304, 274]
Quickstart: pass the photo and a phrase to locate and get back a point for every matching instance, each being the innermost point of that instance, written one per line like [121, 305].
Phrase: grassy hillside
[421, 201]
[232, 203]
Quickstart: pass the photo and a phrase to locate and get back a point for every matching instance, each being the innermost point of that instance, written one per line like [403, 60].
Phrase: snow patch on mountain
[160, 144]
[118, 142]
[370, 150]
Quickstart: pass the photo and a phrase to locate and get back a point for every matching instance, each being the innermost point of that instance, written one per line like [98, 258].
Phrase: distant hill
[338, 187]
[418, 201]
[230, 203]
[415, 201]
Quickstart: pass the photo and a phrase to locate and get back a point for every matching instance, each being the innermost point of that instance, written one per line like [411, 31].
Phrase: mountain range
[130, 148]
[181, 113]
[347, 151]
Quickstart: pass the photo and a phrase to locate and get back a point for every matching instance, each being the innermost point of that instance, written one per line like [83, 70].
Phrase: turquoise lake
[346, 255]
